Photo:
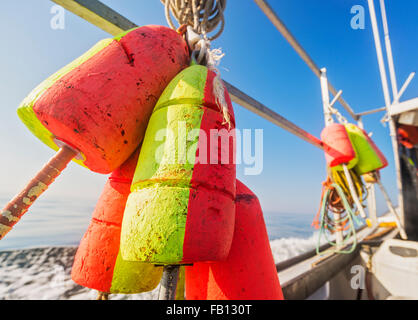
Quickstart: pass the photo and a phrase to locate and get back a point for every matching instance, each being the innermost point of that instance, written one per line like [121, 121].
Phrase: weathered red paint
[211, 208]
[249, 273]
[103, 106]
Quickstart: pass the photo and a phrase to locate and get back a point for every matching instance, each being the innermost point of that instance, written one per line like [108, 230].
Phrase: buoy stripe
[163, 217]
[165, 178]
[102, 105]
[25, 110]
[216, 178]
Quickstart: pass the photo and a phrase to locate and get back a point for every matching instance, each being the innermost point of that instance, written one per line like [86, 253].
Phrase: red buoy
[96, 109]
[337, 146]
[249, 273]
[101, 104]
[97, 264]
[183, 210]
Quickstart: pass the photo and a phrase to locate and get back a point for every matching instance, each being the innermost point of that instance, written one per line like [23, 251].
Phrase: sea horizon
[57, 222]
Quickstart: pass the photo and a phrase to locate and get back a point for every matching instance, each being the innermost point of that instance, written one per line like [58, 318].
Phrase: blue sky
[257, 60]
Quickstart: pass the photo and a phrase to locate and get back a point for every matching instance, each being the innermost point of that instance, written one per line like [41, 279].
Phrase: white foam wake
[286, 248]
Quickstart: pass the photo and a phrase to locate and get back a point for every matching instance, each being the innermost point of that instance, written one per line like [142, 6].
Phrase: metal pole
[392, 209]
[371, 199]
[365, 113]
[339, 236]
[405, 85]
[20, 204]
[353, 192]
[371, 204]
[169, 282]
[389, 50]
[386, 94]
[379, 53]
[328, 121]
[325, 97]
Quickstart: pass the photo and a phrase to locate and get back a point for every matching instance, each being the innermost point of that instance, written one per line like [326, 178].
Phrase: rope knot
[201, 18]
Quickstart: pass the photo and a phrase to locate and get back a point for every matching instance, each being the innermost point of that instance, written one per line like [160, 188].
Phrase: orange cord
[334, 204]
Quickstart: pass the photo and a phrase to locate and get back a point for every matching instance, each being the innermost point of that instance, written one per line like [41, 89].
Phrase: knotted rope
[203, 16]
[335, 203]
[334, 199]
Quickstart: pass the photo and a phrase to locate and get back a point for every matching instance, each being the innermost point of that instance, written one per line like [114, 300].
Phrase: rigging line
[203, 16]
[275, 20]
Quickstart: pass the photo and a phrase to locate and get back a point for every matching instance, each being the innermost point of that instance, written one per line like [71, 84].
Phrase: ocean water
[50, 223]
[63, 223]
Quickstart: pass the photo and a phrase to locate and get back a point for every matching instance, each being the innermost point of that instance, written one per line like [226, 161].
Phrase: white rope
[202, 17]
[211, 58]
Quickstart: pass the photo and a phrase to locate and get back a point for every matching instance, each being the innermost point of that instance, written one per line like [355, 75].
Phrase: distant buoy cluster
[350, 154]
[350, 145]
